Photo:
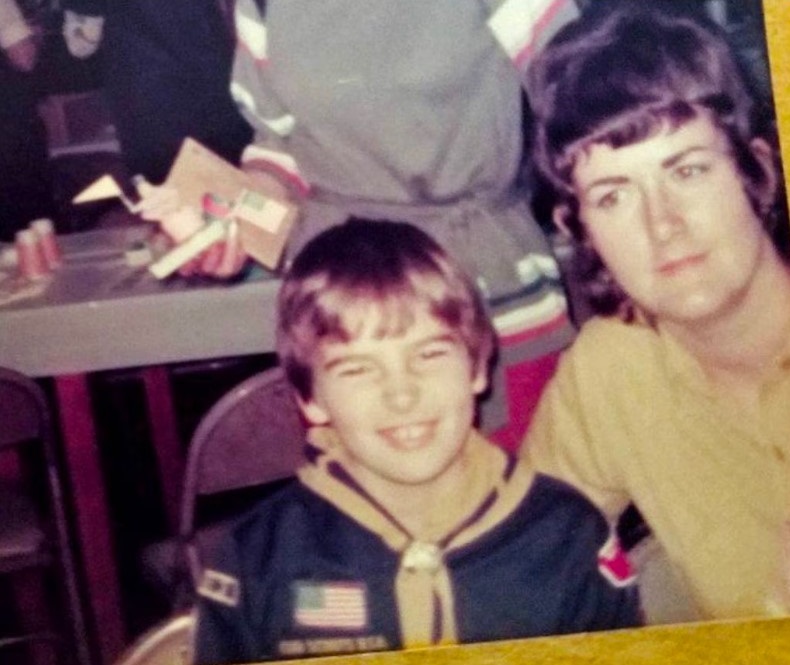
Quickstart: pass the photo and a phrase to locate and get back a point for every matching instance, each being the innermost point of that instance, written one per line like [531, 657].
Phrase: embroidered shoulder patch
[330, 604]
[614, 565]
[220, 587]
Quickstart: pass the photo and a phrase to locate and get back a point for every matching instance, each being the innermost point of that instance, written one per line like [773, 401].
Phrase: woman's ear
[559, 216]
[764, 154]
[567, 220]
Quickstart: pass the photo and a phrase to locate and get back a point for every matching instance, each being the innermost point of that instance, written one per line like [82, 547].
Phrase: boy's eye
[435, 351]
[352, 369]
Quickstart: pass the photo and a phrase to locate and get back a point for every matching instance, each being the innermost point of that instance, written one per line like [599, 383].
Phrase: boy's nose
[401, 392]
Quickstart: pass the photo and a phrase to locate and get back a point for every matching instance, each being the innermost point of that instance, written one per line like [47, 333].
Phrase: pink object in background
[45, 231]
[32, 264]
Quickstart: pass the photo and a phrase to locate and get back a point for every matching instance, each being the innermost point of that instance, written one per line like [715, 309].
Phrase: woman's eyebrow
[672, 160]
[606, 180]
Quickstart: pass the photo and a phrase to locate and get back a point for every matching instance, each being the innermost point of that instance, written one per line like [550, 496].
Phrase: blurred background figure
[25, 179]
[166, 72]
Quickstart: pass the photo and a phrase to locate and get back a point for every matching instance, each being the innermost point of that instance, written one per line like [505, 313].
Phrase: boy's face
[671, 220]
[402, 406]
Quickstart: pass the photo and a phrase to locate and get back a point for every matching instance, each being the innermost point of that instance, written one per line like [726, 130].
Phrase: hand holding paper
[201, 189]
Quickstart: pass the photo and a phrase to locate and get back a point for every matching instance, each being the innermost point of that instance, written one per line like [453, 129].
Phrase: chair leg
[30, 600]
[68, 565]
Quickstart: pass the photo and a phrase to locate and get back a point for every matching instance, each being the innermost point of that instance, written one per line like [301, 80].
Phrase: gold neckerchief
[495, 486]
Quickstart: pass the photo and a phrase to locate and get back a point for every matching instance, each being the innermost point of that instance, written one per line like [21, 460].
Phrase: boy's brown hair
[372, 268]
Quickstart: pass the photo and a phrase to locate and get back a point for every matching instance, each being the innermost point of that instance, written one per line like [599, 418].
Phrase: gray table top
[99, 313]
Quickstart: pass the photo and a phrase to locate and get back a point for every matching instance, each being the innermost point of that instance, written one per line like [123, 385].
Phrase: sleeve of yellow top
[561, 442]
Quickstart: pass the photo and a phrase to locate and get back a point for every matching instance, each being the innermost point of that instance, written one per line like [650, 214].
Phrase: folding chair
[249, 440]
[168, 643]
[34, 535]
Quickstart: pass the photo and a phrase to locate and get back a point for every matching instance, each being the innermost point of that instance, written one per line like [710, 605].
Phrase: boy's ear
[479, 381]
[480, 377]
[313, 411]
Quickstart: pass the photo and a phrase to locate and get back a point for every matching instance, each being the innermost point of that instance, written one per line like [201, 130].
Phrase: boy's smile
[671, 219]
[402, 405]
[409, 437]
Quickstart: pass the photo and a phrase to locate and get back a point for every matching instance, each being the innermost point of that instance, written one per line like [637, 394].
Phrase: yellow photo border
[777, 28]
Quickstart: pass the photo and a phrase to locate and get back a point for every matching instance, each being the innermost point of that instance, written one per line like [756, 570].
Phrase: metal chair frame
[25, 420]
[251, 437]
[168, 643]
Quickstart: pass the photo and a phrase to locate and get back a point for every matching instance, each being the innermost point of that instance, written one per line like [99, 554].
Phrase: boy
[647, 132]
[412, 528]
[358, 114]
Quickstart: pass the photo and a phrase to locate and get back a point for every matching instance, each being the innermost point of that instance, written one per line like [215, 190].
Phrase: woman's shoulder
[610, 350]
[610, 337]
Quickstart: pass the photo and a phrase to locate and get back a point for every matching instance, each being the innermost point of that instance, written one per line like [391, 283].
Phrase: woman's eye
[609, 199]
[688, 171]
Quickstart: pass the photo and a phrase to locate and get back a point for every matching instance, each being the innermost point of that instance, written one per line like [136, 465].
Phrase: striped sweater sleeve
[524, 27]
[249, 87]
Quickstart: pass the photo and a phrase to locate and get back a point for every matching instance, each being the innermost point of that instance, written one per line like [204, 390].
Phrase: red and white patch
[614, 564]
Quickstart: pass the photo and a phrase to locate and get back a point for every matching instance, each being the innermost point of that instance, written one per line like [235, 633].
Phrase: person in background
[25, 177]
[413, 110]
[405, 528]
[166, 71]
[677, 401]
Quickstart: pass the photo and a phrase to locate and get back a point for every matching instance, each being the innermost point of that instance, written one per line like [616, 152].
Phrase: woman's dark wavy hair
[619, 76]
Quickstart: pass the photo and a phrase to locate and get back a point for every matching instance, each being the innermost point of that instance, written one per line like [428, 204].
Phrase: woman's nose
[662, 217]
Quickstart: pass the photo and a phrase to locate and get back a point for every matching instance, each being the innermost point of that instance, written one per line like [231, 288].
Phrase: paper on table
[104, 188]
[265, 219]
[189, 249]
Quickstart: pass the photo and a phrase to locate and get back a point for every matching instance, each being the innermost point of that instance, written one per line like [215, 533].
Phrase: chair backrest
[252, 437]
[168, 643]
[25, 418]
[24, 414]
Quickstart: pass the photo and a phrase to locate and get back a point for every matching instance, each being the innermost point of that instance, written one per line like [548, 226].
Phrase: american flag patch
[330, 605]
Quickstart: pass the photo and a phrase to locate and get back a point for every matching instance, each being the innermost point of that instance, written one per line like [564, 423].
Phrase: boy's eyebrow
[440, 337]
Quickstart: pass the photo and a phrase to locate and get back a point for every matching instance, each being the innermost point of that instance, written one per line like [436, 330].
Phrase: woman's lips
[675, 266]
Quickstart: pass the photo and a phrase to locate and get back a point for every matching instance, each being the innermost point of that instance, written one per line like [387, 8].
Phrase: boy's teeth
[409, 432]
